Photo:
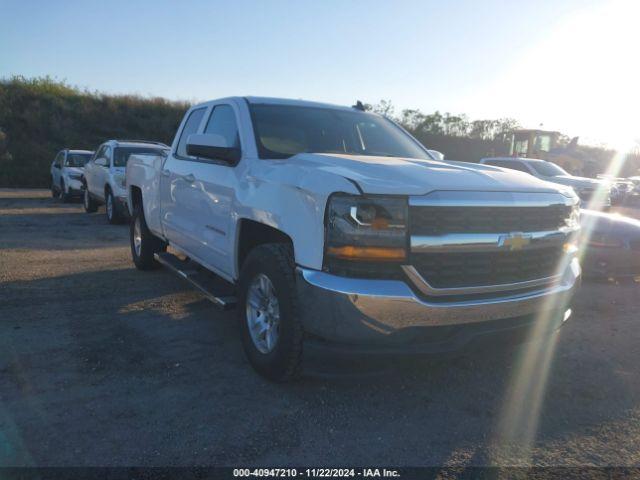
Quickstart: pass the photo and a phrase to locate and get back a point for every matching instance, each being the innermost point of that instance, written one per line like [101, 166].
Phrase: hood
[580, 182]
[402, 176]
[78, 170]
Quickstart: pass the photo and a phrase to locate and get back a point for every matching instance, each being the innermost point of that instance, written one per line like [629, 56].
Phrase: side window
[223, 122]
[57, 163]
[516, 166]
[106, 153]
[190, 127]
[98, 154]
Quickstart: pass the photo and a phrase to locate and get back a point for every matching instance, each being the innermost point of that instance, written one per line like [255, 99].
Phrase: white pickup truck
[331, 226]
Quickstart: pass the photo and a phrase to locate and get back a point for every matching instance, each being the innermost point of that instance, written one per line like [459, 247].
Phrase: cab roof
[292, 102]
[137, 143]
[80, 151]
[276, 101]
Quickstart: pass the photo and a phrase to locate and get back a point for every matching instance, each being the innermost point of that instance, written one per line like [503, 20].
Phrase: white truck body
[201, 207]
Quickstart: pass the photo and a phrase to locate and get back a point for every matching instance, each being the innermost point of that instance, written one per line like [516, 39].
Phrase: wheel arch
[252, 234]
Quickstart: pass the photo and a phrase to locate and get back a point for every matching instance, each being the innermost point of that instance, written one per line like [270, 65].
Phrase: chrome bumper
[362, 311]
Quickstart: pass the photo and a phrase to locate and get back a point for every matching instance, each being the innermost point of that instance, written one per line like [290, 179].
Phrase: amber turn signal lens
[351, 252]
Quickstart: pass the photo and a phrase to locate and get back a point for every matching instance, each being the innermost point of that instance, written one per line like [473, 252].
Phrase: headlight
[120, 180]
[361, 228]
[573, 220]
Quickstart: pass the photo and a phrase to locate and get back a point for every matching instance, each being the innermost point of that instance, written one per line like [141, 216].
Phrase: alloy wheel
[137, 237]
[263, 314]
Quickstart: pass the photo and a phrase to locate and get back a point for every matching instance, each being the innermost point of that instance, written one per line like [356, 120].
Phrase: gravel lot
[103, 365]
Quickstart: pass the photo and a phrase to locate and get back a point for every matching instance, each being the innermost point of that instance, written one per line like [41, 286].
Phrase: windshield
[121, 154]
[285, 130]
[77, 159]
[548, 169]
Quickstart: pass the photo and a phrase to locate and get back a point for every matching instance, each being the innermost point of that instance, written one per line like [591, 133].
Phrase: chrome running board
[217, 290]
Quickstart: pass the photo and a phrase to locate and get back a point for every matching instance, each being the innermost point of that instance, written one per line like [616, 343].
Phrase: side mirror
[102, 162]
[213, 147]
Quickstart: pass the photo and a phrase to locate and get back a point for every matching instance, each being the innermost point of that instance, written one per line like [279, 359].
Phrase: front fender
[292, 200]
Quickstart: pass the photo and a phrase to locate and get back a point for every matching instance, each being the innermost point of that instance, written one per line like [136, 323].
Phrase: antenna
[359, 106]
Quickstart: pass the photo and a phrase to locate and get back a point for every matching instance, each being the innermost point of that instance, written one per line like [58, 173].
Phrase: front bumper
[389, 313]
[75, 187]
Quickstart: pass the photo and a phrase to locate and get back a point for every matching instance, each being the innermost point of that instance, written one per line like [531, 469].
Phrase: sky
[569, 65]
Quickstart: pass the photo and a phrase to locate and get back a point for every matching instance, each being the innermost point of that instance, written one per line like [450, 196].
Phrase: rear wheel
[144, 244]
[90, 204]
[272, 334]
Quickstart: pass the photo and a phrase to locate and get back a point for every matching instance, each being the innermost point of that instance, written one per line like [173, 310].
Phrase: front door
[203, 193]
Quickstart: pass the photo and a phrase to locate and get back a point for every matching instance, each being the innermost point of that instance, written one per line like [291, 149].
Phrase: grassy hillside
[39, 117]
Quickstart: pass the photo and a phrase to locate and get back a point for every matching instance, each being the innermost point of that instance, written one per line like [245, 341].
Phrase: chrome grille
[469, 243]
[447, 220]
[471, 269]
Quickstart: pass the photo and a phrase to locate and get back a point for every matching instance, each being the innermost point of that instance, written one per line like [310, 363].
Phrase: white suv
[104, 179]
[66, 173]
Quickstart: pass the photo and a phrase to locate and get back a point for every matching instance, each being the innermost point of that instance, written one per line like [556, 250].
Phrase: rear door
[101, 172]
[56, 170]
[177, 196]
[90, 171]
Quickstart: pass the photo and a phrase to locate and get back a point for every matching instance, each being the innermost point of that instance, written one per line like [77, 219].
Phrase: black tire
[64, 196]
[114, 215]
[54, 190]
[90, 205]
[149, 243]
[283, 362]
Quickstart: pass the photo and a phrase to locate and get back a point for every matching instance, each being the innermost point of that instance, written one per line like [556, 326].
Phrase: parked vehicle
[611, 245]
[593, 193]
[66, 173]
[620, 188]
[331, 226]
[104, 176]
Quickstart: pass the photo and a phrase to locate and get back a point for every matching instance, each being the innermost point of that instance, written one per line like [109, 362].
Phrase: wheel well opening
[136, 197]
[253, 234]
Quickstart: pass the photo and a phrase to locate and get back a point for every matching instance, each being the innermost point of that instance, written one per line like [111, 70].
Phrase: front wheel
[64, 195]
[90, 204]
[114, 216]
[54, 189]
[144, 244]
[272, 334]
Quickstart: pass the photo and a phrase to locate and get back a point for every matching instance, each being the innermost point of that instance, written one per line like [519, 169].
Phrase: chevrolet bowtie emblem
[514, 241]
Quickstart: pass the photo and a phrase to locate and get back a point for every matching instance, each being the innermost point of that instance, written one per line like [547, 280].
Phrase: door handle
[166, 172]
[189, 178]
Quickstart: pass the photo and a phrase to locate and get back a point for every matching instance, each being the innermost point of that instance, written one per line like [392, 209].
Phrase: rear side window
[223, 122]
[58, 160]
[516, 166]
[190, 127]
[508, 164]
[99, 153]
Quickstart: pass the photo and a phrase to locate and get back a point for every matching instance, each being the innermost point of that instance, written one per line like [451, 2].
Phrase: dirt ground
[103, 365]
